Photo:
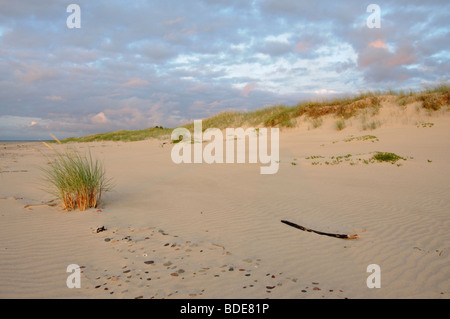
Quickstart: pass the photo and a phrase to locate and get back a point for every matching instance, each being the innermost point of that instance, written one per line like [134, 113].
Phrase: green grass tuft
[371, 126]
[77, 181]
[340, 124]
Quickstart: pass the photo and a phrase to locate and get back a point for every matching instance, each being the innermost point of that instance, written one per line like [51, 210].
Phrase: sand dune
[214, 231]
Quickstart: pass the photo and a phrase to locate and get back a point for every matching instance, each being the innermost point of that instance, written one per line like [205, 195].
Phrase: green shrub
[387, 157]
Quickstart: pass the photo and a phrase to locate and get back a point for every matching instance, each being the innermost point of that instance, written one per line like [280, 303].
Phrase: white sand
[222, 221]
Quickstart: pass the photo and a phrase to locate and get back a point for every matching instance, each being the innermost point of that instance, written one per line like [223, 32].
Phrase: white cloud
[283, 38]
[99, 118]
[325, 91]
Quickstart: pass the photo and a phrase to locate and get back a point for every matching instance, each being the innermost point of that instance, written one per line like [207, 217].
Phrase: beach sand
[215, 231]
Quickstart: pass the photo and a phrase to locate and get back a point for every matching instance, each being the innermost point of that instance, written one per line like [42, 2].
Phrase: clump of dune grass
[77, 181]
[340, 124]
[434, 101]
[371, 126]
[281, 116]
[317, 122]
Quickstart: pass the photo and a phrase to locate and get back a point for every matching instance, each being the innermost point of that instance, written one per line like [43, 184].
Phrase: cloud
[99, 118]
[153, 51]
[166, 62]
[54, 98]
[20, 127]
[174, 21]
[378, 44]
[275, 48]
[325, 91]
[303, 47]
[135, 82]
[32, 72]
[247, 89]
[380, 65]
[404, 56]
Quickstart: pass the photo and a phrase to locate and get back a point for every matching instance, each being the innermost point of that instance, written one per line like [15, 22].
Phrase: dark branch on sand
[343, 236]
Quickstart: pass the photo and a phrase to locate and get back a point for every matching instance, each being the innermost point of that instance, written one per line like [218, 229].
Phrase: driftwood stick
[343, 236]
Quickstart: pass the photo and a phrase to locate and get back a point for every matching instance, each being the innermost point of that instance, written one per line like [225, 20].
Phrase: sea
[23, 141]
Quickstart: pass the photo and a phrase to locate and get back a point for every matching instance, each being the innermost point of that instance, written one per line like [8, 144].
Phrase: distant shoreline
[22, 141]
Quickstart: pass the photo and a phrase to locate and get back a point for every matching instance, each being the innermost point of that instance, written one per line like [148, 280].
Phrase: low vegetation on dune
[123, 135]
[387, 157]
[432, 98]
[356, 159]
[343, 108]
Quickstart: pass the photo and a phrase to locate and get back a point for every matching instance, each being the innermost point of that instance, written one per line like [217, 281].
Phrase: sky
[138, 64]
